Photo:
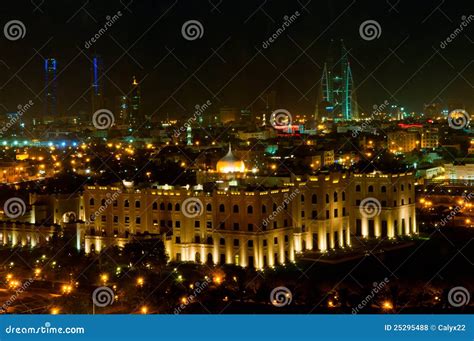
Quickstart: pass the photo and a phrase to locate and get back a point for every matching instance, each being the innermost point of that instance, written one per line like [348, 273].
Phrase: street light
[387, 305]
[104, 278]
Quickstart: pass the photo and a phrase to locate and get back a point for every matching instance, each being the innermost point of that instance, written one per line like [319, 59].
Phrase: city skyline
[296, 88]
[313, 157]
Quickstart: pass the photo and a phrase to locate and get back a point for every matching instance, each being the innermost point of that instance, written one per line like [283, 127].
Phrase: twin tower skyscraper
[336, 97]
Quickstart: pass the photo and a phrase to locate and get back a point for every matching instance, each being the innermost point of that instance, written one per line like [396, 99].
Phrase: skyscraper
[336, 97]
[122, 109]
[97, 89]
[51, 87]
[135, 112]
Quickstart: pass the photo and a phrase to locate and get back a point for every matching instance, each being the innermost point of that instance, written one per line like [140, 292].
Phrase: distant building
[430, 138]
[228, 114]
[97, 88]
[459, 172]
[50, 88]
[136, 117]
[123, 109]
[336, 98]
[257, 135]
[402, 141]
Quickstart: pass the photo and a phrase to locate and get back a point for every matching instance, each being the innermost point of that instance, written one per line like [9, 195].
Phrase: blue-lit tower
[97, 89]
[51, 87]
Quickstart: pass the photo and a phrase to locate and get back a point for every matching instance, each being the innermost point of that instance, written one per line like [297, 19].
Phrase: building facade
[235, 225]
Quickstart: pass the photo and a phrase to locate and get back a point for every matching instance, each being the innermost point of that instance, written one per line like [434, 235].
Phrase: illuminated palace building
[243, 220]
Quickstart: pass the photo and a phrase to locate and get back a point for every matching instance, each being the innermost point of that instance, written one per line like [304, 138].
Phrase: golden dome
[230, 164]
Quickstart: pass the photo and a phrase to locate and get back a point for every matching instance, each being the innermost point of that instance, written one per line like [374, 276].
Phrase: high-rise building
[123, 109]
[97, 89]
[336, 97]
[51, 87]
[135, 99]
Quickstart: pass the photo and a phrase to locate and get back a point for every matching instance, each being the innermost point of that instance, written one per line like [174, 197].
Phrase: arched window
[264, 209]
[235, 209]
[126, 203]
[137, 204]
[250, 209]
[314, 199]
[327, 198]
[102, 202]
[402, 187]
[358, 188]
[343, 196]
[221, 208]
[371, 189]
[155, 205]
[383, 189]
[302, 197]
[222, 241]
[170, 206]
[274, 207]
[91, 201]
[209, 208]
[162, 206]
[177, 207]
[210, 241]
[335, 196]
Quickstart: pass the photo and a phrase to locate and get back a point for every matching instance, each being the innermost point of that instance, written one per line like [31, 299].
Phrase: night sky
[177, 74]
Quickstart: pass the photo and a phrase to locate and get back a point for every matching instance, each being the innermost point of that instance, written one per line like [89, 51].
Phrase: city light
[104, 278]
[387, 305]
